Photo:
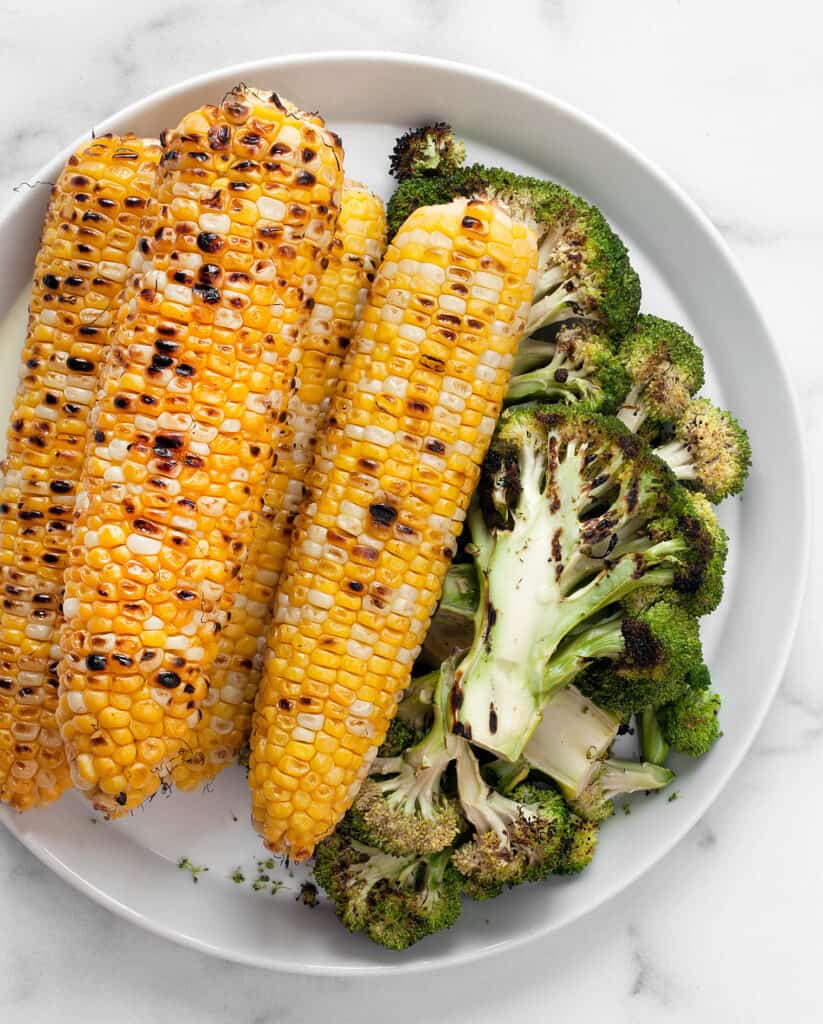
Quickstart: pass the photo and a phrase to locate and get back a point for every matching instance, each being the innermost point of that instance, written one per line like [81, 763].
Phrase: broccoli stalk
[408, 812]
[652, 742]
[709, 451]
[570, 522]
[577, 367]
[396, 901]
[666, 369]
[571, 745]
[518, 838]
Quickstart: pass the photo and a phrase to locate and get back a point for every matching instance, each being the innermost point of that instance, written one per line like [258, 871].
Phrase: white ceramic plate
[687, 273]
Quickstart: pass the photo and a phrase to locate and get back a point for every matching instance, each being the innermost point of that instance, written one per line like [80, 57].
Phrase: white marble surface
[726, 97]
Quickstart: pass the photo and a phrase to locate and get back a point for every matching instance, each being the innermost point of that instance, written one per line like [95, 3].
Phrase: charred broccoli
[646, 656]
[396, 901]
[579, 847]
[405, 810]
[708, 450]
[578, 366]
[452, 626]
[426, 150]
[574, 515]
[698, 582]
[518, 838]
[666, 369]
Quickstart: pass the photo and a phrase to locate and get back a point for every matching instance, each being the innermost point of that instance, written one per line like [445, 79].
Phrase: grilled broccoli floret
[580, 845]
[689, 724]
[426, 150]
[518, 838]
[666, 369]
[395, 901]
[698, 582]
[648, 652]
[584, 271]
[571, 746]
[578, 367]
[405, 809]
[709, 450]
[574, 516]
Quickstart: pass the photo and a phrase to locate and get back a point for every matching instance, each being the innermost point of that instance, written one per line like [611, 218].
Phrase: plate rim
[711, 792]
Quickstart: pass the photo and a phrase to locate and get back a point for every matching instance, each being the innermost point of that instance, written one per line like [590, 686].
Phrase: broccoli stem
[381, 866]
[678, 458]
[604, 640]
[557, 379]
[416, 774]
[652, 744]
[485, 808]
[572, 738]
[634, 411]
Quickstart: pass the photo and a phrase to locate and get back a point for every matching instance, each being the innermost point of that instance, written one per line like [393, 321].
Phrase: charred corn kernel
[188, 406]
[90, 228]
[355, 254]
[354, 673]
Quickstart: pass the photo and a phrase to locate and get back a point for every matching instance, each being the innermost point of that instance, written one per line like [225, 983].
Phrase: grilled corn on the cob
[407, 430]
[338, 302]
[244, 209]
[90, 229]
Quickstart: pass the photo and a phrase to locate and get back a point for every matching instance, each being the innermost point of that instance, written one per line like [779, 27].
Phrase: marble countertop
[726, 98]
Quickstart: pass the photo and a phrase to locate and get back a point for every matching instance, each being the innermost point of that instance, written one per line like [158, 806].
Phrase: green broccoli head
[578, 366]
[580, 846]
[518, 838]
[393, 816]
[666, 369]
[698, 580]
[709, 450]
[584, 269]
[424, 151]
[395, 901]
[657, 647]
[689, 724]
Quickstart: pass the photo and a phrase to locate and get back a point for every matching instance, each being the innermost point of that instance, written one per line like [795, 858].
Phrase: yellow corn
[386, 498]
[89, 232]
[242, 214]
[226, 712]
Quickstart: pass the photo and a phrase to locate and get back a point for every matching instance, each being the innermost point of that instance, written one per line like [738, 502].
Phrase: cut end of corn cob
[358, 246]
[387, 494]
[243, 211]
[90, 228]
